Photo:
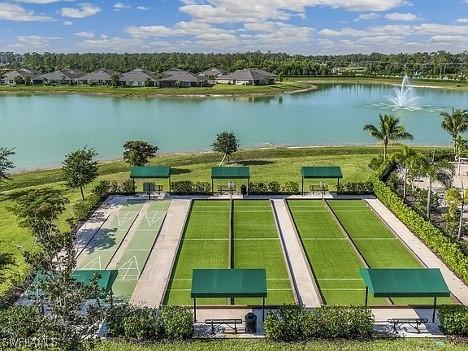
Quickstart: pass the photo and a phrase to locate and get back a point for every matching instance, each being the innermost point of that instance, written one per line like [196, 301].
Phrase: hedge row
[454, 320]
[351, 188]
[189, 187]
[274, 188]
[440, 243]
[133, 323]
[292, 323]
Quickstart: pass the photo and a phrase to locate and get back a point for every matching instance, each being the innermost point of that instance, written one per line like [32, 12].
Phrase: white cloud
[399, 16]
[17, 13]
[40, 1]
[84, 34]
[120, 5]
[114, 44]
[462, 20]
[67, 23]
[142, 8]
[29, 42]
[83, 10]
[367, 17]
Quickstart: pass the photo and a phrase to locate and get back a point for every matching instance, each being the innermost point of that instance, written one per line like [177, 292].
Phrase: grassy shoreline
[218, 90]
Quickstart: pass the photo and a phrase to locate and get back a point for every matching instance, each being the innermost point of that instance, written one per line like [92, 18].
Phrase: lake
[43, 128]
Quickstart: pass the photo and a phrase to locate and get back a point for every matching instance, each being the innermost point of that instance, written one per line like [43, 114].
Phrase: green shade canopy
[321, 172]
[150, 172]
[230, 173]
[406, 282]
[229, 283]
[105, 281]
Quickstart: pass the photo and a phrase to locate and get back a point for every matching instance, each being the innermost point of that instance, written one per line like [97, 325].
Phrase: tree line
[423, 64]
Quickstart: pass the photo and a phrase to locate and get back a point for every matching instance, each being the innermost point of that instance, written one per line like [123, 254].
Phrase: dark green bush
[454, 320]
[170, 322]
[290, 187]
[274, 187]
[291, 323]
[20, 322]
[177, 322]
[444, 246]
[127, 186]
[189, 187]
[362, 188]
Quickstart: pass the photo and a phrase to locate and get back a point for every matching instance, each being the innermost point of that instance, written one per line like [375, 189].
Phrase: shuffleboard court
[377, 243]
[99, 251]
[133, 260]
[204, 245]
[332, 258]
[257, 245]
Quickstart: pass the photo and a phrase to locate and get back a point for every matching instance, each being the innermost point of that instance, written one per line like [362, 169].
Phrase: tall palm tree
[405, 158]
[455, 123]
[461, 145]
[388, 130]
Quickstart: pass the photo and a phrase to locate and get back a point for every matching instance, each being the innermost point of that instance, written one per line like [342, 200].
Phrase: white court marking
[130, 265]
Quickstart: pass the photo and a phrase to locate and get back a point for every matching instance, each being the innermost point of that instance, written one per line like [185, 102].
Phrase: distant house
[247, 76]
[61, 76]
[211, 74]
[138, 78]
[101, 76]
[178, 78]
[11, 77]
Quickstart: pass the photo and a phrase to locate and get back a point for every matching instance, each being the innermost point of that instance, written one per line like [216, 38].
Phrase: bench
[226, 190]
[318, 188]
[224, 321]
[414, 322]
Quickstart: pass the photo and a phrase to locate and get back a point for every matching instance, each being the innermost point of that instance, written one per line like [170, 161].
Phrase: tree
[461, 145]
[5, 163]
[80, 169]
[137, 153]
[388, 130]
[453, 199]
[280, 77]
[404, 159]
[19, 80]
[455, 123]
[115, 79]
[227, 144]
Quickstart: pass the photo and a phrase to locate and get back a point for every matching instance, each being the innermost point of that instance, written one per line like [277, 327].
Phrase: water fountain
[404, 96]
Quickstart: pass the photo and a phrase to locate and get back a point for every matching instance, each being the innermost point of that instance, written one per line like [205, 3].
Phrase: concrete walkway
[456, 286]
[152, 284]
[306, 287]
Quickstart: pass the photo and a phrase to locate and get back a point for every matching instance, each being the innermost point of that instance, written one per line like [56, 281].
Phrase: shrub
[177, 322]
[20, 322]
[102, 188]
[291, 323]
[189, 187]
[274, 187]
[363, 188]
[127, 186]
[454, 320]
[142, 324]
[201, 187]
[83, 208]
[290, 187]
[441, 244]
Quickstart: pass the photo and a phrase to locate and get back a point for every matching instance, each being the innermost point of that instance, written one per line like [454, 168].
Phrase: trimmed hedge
[274, 188]
[292, 323]
[441, 244]
[350, 188]
[454, 319]
[189, 187]
[133, 323]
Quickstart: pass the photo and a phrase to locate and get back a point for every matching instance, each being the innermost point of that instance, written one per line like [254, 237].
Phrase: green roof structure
[150, 172]
[321, 172]
[228, 283]
[316, 172]
[105, 281]
[405, 282]
[230, 173]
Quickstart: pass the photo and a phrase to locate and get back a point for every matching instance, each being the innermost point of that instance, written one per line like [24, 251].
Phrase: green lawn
[332, 258]
[257, 245]
[375, 241]
[411, 344]
[204, 245]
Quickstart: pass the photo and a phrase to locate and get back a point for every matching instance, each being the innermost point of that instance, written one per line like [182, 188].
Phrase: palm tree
[405, 158]
[455, 123]
[388, 130]
[461, 145]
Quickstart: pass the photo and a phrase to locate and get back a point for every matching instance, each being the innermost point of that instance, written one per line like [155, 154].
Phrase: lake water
[43, 128]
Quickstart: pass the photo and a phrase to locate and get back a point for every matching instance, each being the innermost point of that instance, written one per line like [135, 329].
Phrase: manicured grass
[332, 258]
[375, 241]
[411, 344]
[219, 89]
[257, 245]
[204, 245]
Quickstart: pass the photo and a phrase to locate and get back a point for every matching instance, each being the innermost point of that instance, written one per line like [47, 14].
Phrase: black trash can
[250, 323]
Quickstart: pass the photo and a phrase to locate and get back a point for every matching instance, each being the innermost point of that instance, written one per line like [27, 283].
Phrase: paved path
[307, 290]
[456, 286]
[152, 284]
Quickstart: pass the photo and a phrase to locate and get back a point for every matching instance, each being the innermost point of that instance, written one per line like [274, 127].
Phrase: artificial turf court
[100, 250]
[205, 244]
[133, 259]
[257, 245]
[333, 260]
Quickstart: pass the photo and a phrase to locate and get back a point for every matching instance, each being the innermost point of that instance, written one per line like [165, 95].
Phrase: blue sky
[293, 26]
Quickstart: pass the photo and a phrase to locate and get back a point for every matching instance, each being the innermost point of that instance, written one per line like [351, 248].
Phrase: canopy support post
[302, 192]
[170, 190]
[434, 309]
[194, 309]
[212, 186]
[263, 309]
[338, 186]
[248, 186]
[367, 294]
